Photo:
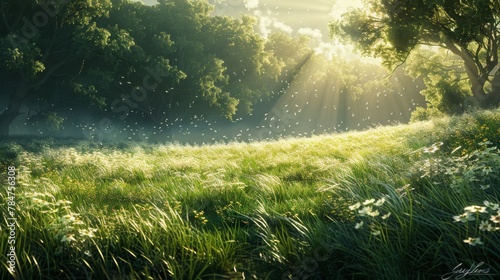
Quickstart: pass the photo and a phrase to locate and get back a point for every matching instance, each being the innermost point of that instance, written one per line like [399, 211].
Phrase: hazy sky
[308, 17]
[289, 16]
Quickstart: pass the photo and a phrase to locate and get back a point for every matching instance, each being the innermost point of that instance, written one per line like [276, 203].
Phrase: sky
[294, 17]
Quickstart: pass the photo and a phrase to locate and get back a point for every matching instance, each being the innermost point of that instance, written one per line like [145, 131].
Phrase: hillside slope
[400, 202]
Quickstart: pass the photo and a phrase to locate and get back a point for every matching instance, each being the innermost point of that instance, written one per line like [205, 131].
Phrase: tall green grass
[388, 203]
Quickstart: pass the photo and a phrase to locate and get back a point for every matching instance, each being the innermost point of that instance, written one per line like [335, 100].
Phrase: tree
[446, 83]
[222, 62]
[44, 47]
[251, 69]
[470, 29]
[136, 60]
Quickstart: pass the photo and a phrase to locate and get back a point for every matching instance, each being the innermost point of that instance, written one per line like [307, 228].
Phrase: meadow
[417, 201]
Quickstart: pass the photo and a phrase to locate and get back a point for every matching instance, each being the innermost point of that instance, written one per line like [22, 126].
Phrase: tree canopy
[393, 29]
[126, 64]
[128, 59]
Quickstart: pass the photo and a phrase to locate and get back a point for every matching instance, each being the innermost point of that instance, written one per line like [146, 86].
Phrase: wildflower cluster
[479, 168]
[434, 148]
[200, 216]
[65, 225]
[476, 133]
[369, 211]
[431, 166]
[227, 212]
[487, 216]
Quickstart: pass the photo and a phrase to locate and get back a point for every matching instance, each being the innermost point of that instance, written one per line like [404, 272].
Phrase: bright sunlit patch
[311, 32]
[313, 102]
[267, 23]
[251, 4]
[340, 7]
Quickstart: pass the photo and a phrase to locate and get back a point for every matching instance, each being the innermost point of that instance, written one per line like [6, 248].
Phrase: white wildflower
[380, 202]
[369, 201]
[374, 213]
[492, 206]
[475, 209]
[465, 217]
[359, 225]
[364, 211]
[495, 219]
[355, 206]
[484, 225]
[68, 238]
[473, 241]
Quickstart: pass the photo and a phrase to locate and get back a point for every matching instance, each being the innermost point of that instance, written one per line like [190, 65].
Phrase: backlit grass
[400, 202]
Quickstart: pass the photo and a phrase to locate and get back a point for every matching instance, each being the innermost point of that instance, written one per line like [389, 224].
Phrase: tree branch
[47, 52]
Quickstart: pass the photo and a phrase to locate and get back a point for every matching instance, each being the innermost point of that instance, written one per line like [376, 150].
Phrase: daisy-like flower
[68, 238]
[492, 228]
[473, 241]
[492, 206]
[495, 219]
[475, 209]
[364, 211]
[376, 232]
[87, 232]
[359, 225]
[484, 225]
[66, 219]
[379, 202]
[386, 216]
[374, 213]
[434, 148]
[465, 217]
[369, 201]
[355, 206]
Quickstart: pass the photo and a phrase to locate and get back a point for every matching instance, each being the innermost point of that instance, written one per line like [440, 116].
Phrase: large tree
[131, 60]
[45, 48]
[392, 29]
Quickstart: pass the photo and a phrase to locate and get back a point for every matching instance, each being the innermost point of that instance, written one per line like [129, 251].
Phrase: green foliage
[392, 30]
[446, 83]
[424, 114]
[175, 50]
[23, 57]
[465, 171]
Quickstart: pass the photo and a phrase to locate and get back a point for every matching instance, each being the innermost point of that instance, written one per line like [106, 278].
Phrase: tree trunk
[495, 92]
[477, 77]
[486, 100]
[13, 109]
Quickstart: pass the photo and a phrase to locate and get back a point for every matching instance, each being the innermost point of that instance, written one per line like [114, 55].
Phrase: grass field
[412, 201]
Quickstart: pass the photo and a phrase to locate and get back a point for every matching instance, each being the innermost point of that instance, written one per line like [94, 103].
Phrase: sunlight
[251, 4]
[317, 100]
[311, 104]
[246, 139]
[341, 7]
